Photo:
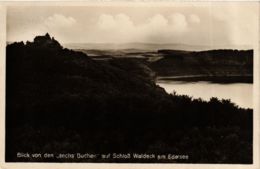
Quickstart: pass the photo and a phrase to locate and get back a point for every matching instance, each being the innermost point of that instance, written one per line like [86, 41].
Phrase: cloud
[62, 27]
[224, 24]
[58, 20]
[58, 25]
[157, 21]
[109, 22]
[106, 22]
[194, 18]
[178, 22]
[241, 22]
[190, 28]
[121, 28]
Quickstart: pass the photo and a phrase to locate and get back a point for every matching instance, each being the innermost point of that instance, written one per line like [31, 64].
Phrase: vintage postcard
[130, 84]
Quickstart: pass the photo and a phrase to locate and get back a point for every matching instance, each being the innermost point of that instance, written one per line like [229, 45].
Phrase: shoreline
[206, 78]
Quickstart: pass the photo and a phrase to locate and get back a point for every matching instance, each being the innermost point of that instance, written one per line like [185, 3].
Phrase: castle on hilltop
[45, 41]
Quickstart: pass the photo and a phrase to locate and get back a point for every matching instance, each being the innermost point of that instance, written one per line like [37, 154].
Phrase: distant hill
[59, 100]
[147, 46]
[205, 63]
[223, 65]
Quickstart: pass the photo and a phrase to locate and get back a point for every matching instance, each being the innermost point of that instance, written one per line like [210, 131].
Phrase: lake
[239, 93]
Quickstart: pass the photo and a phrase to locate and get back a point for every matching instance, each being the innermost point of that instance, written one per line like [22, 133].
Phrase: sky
[197, 23]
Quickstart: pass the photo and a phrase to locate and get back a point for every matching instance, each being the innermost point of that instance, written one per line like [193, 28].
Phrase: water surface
[239, 93]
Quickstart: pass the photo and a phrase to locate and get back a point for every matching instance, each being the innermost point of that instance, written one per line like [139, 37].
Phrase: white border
[4, 165]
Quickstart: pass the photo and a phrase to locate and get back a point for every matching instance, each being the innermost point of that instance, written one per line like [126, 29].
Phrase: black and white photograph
[134, 84]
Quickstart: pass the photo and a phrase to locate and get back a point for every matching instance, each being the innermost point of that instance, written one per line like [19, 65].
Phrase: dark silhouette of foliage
[59, 100]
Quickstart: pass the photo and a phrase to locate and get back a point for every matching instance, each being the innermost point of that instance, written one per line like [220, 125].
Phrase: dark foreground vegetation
[62, 101]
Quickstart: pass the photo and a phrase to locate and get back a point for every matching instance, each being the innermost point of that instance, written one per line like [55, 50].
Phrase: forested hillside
[59, 100]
